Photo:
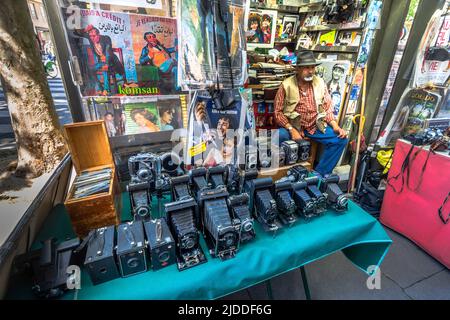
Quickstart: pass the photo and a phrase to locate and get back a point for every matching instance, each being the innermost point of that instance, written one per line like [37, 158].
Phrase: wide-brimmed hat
[305, 58]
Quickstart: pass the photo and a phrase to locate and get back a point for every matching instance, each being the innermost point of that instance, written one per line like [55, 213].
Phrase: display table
[360, 237]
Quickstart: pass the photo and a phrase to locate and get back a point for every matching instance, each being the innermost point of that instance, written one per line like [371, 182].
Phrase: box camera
[319, 198]
[221, 232]
[100, 261]
[262, 202]
[130, 249]
[49, 267]
[291, 151]
[304, 150]
[335, 197]
[285, 203]
[161, 245]
[239, 210]
[216, 176]
[297, 173]
[181, 218]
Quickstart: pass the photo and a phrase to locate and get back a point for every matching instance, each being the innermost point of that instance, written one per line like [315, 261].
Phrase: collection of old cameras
[219, 203]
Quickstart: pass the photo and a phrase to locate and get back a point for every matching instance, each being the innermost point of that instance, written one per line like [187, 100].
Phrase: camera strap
[441, 209]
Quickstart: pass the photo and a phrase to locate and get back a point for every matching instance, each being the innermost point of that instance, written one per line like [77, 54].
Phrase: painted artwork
[261, 28]
[335, 73]
[110, 48]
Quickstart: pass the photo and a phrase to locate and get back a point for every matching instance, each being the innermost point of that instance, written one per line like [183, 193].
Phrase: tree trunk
[40, 143]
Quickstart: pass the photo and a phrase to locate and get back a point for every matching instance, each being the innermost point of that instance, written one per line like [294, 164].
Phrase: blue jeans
[333, 147]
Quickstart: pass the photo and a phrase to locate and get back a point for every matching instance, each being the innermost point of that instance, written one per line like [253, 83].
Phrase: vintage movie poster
[261, 28]
[213, 134]
[110, 48]
[205, 27]
[155, 52]
[335, 74]
[126, 116]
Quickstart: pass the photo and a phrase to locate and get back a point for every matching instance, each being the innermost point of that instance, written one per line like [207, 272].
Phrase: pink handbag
[416, 202]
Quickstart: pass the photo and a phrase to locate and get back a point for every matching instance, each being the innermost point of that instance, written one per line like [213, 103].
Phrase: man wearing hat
[303, 108]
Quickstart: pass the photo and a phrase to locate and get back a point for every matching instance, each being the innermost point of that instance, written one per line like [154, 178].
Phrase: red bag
[415, 202]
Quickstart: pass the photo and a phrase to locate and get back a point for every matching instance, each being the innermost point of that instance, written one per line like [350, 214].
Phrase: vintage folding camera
[335, 197]
[240, 210]
[264, 152]
[100, 261]
[198, 180]
[291, 151]
[49, 266]
[304, 150]
[297, 173]
[262, 202]
[313, 190]
[142, 168]
[233, 179]
[180, 187]
[285, 203]
[181, 218]
[305, 204]
[140, 200]
[161, 245]
[222, 233]
[216, 176]
[130, 248]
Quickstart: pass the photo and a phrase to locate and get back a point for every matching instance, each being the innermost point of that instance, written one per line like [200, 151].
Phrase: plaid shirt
[306, 107]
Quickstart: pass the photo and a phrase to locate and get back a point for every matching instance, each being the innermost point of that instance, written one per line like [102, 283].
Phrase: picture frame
[289, 27]
[261, 29]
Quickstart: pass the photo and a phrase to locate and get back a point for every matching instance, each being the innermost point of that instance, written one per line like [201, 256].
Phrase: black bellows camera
[304, 202]
[161, 245]
[318, 197]
[216, 176]
[285, 202]
[262, 202]
[335, 197]
[182, 220]
[239, 209]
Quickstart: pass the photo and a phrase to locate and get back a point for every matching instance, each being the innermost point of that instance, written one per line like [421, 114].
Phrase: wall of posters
[203, 26]
[261, 28]
[110, 48]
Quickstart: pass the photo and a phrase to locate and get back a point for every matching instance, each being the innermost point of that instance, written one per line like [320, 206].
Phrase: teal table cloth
[357, 234]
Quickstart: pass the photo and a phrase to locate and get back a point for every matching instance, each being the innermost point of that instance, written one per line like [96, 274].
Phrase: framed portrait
[290, 25]
[261, 28]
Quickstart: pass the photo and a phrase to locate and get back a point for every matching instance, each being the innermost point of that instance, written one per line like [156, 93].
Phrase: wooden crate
[89, 146]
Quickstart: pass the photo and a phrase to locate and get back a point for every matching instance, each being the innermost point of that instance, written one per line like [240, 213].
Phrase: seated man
[303, 108]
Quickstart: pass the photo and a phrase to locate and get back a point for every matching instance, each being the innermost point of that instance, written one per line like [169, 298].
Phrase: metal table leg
[305, 283]
[269, 289]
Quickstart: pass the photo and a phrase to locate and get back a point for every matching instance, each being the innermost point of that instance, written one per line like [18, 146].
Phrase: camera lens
[342, 201]
[163, 256]
[230, 239]
[247, 226]
[133, 262]
[142, 211]
[189, 242]
[144, 174]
